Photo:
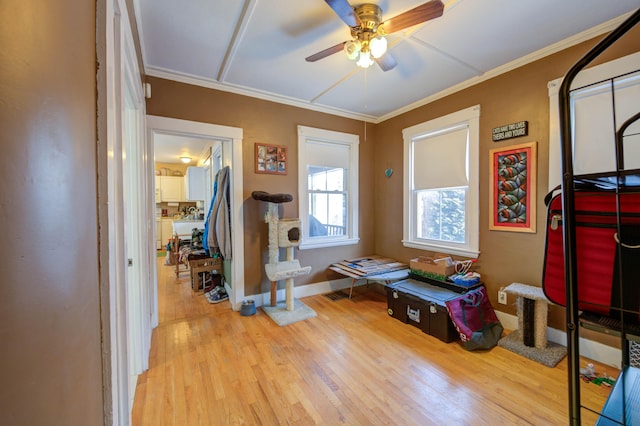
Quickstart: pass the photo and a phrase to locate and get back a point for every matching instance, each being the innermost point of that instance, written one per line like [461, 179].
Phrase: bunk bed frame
[623, 404]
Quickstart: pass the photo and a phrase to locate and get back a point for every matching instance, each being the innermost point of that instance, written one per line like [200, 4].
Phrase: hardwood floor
[352, 364]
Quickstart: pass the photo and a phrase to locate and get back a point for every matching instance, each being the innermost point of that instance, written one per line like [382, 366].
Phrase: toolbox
[423, 306]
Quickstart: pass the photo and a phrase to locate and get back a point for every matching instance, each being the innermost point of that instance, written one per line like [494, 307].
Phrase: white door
[127, 201]
[137, 308]
[118, 345]
[213, 164]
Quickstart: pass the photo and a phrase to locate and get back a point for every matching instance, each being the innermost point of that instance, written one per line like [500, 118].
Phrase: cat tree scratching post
[532, 314]
[283, 233]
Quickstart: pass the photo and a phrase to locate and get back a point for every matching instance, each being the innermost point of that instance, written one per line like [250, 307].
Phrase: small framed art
[271, 159]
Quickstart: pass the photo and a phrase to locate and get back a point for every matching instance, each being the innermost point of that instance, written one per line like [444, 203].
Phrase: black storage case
[422, 305]
[449, 285]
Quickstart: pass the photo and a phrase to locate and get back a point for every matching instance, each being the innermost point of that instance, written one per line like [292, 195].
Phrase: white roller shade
[593, 138]
[327, 154]
[593, 125]
[440, 160]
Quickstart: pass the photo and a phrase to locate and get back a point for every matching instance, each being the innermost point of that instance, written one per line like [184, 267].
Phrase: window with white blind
[595, 120]
[327, 187]
[441, 207]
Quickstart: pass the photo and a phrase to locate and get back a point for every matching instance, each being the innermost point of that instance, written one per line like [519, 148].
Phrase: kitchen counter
[185, 226]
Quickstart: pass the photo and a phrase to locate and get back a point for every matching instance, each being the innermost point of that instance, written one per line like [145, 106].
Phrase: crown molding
[245, 91]
[259, 94]
[539, 54]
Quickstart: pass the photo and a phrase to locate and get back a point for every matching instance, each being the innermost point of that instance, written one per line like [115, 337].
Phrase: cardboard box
[432, 267]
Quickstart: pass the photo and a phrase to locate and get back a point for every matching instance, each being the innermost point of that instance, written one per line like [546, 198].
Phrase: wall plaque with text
[508, 131]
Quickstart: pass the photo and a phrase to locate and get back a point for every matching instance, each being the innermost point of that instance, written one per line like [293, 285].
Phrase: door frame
[118, 77]
[231, 138]
[137, 195]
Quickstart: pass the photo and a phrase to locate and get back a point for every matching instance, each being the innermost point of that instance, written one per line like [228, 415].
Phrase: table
[371, 268]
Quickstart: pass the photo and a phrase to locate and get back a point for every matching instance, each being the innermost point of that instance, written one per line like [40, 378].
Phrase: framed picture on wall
[512, 190]
[271, 159]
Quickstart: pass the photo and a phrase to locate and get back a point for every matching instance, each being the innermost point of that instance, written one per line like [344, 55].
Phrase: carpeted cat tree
[530, 340]
[283, 233]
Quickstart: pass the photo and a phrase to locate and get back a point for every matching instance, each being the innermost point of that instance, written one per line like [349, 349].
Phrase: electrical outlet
[502, 297]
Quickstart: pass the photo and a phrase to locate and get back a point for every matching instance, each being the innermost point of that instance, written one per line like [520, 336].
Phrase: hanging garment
[219, 237]
[205, 245]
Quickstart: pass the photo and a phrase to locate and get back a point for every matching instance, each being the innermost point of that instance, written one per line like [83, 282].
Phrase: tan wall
[271, 123]
[506, 257]
[521, 94]
[50, 361]
[179, 167]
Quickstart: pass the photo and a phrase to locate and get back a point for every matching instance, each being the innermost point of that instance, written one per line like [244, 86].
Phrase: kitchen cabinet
[158, 234]
[184, 228]
[194, 184]
[171, 188]
[158, 192]
[166, 230]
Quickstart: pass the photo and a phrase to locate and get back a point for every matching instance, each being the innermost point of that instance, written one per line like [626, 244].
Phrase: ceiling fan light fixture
[365, 60]
[185, 159]
[378, 46]
[352, 48]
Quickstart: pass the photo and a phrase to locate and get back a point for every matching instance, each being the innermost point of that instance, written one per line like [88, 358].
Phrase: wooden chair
[175, 251]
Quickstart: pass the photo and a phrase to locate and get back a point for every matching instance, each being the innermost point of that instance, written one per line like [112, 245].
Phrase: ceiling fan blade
[417, 15]
[386, 62]
[343, 9]
[326, 52]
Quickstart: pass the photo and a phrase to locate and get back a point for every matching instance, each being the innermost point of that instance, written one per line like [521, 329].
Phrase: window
[441, 208]
[593, 121]
[328, 187]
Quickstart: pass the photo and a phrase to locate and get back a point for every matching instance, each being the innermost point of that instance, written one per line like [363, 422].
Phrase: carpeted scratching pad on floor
[549, 356]
[281, 316]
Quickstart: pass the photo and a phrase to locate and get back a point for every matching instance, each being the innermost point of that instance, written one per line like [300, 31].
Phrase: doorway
[230, 155]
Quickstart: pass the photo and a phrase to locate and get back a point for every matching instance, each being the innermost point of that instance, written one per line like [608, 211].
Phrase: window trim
[330, 137]
[623, 65]
[471, 118]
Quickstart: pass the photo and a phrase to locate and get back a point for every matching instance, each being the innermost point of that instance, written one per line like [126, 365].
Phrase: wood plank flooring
[352, 364]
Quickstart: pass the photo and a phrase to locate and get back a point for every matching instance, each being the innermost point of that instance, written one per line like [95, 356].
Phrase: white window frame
[469, 117]
[310, 134]
[620, 66]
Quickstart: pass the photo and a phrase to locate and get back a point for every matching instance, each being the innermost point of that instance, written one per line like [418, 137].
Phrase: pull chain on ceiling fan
[368, 42]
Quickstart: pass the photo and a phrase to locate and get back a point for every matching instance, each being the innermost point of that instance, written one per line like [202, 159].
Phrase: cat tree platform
[530, 340]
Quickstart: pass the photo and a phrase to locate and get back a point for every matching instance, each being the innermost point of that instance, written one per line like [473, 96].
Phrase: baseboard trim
[588, 348]
[299, 292]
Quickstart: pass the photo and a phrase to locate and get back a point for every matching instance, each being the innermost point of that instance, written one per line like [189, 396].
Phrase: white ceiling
[169, 148]
[258, 48]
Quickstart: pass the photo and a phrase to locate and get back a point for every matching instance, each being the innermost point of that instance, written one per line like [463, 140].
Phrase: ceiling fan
[368, 43]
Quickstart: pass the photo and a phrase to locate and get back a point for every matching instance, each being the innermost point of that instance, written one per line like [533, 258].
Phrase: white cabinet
[171, 188]
[158, 190]
[185, 227]
[194, 184]
[166, 230]
[158, 234]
